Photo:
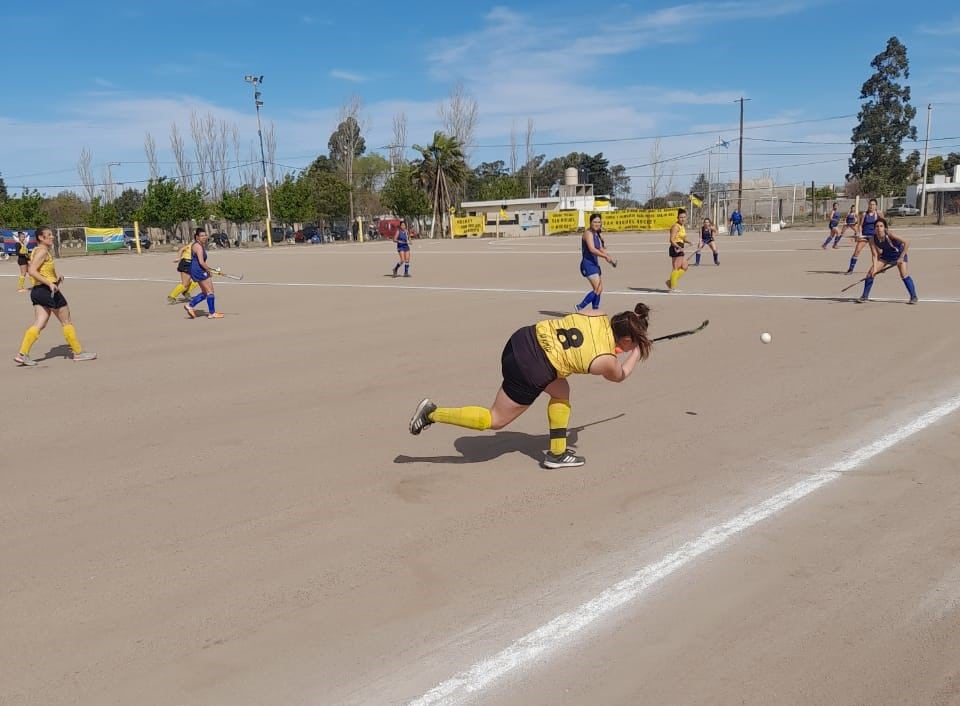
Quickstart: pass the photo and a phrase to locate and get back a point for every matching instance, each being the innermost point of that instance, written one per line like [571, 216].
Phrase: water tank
[956, 174]
[570, 176]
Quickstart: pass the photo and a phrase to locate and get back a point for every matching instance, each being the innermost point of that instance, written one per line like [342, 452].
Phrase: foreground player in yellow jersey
[184, 255]
[678, 239]
[539, 358]
[47, 299]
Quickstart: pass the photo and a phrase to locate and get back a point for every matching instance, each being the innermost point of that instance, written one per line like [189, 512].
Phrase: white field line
[640, 291]
[531, 648]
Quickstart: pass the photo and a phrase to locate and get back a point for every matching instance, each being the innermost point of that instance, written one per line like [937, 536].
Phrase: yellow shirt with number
[46, 269]
[575, 341]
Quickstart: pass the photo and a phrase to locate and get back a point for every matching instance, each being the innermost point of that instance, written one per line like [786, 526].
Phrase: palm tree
[441, 170]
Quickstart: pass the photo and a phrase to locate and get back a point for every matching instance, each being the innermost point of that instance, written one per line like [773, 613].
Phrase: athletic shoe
[406, 274]
[215, 315]
[913, 300]
[191, 312]
[84, 355]
[23, 359]
[171, 300]
[577, 308]
[564, 460]
[421, 416]
[862, 300]
[668, 285]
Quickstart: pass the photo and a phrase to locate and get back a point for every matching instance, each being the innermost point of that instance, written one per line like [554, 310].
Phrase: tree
[3, 191]
[292, 201]
[330, 194]
[86, 173]
[441, 171]
[459, 119]
[824, 193]
[65, 209]
[951, 162]
[491, 181]
[239, 206]
[884, 123]
[700, 187]
[621, 183]
[403, 197]
[102, 215]
[167, 204]
[128, 204]
[347, 143]
[25, 211]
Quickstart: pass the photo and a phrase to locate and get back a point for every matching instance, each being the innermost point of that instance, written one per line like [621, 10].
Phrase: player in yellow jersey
[23, 259]
[184, 255]
[540, 358]
[47, 299]
[678, 239]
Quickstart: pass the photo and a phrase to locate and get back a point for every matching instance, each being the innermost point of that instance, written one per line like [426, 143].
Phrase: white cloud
[948, 28]
[347, 76]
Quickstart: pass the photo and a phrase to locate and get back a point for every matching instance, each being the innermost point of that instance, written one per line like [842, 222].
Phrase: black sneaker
[421, 416]
[565, 460]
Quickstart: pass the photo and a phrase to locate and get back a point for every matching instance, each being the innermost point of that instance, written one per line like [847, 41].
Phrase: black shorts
[40, 295]
[23, 260]
[675, 252]
[526, 369]
[183, 266]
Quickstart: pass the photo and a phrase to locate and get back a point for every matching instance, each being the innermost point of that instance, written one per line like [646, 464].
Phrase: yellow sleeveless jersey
[22, 249]
[186, 252]
[47, 268]
[681, 238]
[575, 341]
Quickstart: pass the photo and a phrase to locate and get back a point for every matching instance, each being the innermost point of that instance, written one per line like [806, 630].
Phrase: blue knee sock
[396, 267]
[211, 307]
[716, 258]
[406, 268]
[826, 242]
[586, 300]
[696, 258]
[596, 301]
[908, 283]
[853, 264]
[867, 286]
[836, 240]
[197, 299]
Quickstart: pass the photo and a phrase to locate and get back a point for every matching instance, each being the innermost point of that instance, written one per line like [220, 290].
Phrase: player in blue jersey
[592, 249]
[834, 226]
[867, 229]
[849, 223]
[708, 235]
[888, 250]
[403, 250]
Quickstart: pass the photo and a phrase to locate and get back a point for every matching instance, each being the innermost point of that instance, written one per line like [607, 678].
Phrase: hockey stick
[861, 281]
[681, 334]
[224, 274]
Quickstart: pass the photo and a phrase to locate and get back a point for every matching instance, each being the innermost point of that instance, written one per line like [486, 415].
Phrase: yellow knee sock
[675, 277]
[558, 414]
[177, 291]
[193, 285]
[29, 338]
[70, 334]
[20, 280]
[470, 417]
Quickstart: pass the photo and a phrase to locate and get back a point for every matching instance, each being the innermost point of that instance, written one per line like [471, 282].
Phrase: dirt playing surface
[233, 512]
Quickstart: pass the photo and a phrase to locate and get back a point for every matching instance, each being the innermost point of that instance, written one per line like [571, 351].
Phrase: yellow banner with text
[468, 225]
[614, 221]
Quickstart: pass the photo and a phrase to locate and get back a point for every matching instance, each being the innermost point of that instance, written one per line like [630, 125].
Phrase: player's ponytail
[633, 325]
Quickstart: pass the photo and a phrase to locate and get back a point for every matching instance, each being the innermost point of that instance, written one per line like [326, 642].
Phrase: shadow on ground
[480, 449]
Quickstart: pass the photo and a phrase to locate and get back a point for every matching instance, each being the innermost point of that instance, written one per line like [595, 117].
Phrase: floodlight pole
[257, 81]
[926, 146]
[740, 185]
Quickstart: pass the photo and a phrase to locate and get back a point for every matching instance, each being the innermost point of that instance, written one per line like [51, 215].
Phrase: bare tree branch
[529, 157]
[86, 174]
[150, 148]
[459, 118]
[179, 154]
[399, 146]
[656, 168]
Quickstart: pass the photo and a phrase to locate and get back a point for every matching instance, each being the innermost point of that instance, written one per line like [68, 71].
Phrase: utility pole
[740, 184]
[257, 81]
[926, 145]
[109, 191]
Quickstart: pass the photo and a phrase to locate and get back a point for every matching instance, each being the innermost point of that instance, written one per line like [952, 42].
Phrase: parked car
[129, 240]
[903, 210]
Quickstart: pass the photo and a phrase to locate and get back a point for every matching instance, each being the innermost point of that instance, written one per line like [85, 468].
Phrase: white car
[903, 210]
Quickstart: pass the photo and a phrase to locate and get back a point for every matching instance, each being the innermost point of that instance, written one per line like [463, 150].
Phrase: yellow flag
[695, 201]
[503, 213]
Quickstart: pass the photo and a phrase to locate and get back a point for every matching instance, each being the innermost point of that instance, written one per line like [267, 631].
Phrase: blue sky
[594, 78]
